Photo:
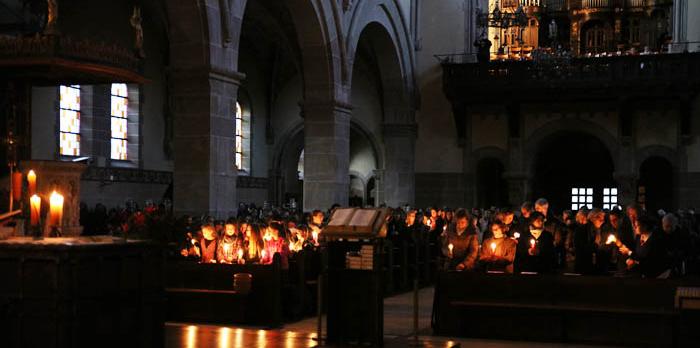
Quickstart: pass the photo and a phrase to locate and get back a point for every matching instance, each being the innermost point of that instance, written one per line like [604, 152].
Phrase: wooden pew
[204, 293]
[599, 310]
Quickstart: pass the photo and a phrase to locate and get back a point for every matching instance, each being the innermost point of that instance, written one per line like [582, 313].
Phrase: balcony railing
[595, 3]
[477, 81]
[636, 3]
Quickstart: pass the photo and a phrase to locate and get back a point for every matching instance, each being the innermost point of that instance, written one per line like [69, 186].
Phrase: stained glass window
[69, 120]
[120, 104]
[239, 137]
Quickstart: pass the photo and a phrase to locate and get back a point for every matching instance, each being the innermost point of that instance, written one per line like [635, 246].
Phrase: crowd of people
[529, 240]
[589, 242]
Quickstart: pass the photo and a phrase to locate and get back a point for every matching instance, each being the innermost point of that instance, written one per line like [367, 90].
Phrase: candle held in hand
[532, 242]
[493, 247]
[516, 235]
[450, 248]
[611, 239]
[35, 213]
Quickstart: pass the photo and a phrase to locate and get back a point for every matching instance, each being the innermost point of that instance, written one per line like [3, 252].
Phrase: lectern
[355, 290]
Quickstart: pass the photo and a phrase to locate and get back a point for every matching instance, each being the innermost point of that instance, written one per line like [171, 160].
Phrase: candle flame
[532, 242]
[56, 199]
[611, 239]
[493, 246]
[516, 235]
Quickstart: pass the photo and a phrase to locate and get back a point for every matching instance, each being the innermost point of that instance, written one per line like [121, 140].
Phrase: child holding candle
[227, 250]
[498, 252]
[464, 241]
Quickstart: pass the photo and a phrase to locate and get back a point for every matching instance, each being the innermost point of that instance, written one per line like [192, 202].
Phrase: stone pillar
[326, 155]
[204, 178]
[400, 172]
[518, 188]
[379, 187]
[64, 178]
[627, 188]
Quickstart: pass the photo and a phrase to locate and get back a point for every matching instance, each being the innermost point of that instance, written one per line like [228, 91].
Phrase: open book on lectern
[357, 223]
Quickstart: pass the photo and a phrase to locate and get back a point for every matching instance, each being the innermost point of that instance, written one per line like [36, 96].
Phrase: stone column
[627, 188]
[203, 103]
[400, 172]
[378, 187]
[326, 155]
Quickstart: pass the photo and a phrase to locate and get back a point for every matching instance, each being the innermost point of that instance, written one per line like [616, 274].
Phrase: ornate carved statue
[138, 32]
[51, 27]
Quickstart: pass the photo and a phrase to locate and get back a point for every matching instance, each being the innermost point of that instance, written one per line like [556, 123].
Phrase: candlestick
[493, 247]
[55, 209]
[35, 210]
[31, 181]
[17, 186]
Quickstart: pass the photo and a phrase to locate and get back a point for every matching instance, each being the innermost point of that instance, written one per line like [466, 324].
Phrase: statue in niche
[51, 27]
[138, 31]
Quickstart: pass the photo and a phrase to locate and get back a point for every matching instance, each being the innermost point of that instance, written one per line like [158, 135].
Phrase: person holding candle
[600, 233]
[649, 255]
[463, 237]
[252, 243]
[556, 229]
[229, 244]
[535, 251]
[498, 252]
[208, 244]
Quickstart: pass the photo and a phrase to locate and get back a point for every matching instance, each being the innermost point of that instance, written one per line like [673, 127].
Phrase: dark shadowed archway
[656, 184]
[570, 159]
[491, 187]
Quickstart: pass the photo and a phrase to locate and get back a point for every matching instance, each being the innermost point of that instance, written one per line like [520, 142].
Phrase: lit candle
[264, 256]
[240, 254]
[17, 186]
[291, 246]
[227, 251]
[611, 239]
[314, 235]
[516, 235]
[532, 242]
[56, 209]
[450, 248]
[493, 247]
[35, 210]
[31, 180]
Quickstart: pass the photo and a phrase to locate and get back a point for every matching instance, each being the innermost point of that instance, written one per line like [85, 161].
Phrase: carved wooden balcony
[605, 78]
[51, 60]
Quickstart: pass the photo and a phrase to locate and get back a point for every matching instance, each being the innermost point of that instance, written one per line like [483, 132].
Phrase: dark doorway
[656, 184]
[569, 160]
[491, 188]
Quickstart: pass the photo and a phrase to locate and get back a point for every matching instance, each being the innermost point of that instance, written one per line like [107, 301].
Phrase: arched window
[69, 119]
[119, 113]
[242, 141]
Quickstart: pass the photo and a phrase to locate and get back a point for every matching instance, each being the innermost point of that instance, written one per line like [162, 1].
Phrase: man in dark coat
[535, 251]
[649, 254]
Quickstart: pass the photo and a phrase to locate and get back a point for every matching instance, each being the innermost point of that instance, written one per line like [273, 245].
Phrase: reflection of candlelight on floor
[191, 337]
[224, 337]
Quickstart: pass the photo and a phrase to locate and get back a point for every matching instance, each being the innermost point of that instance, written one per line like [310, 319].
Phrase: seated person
[498, 252]
[208, 244]
[460, 243]
[229, 245]
[535, 251]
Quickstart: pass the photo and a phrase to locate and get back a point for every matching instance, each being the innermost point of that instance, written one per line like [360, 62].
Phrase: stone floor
[398, 327]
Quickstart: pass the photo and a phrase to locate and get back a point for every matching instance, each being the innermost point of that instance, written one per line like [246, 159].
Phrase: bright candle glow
[31, 181]
[56, 209]
[35, 210]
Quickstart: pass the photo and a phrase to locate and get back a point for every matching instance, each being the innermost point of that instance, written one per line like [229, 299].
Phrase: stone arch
[656, 151]
[382, 23]
[534, 142]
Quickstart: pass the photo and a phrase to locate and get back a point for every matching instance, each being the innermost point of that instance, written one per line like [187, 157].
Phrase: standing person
[648, 256]
[582, 244]
[629, 224]
[555, 228]
[678, 243]
[462, 238]
[535, 251]
[603, 237]
[523, 223]
[498, 252]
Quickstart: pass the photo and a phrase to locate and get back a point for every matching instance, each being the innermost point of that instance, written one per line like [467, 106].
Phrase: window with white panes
[581, 197]
[610, 198]
[119, 133]
[239, 137]
[69, 120]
